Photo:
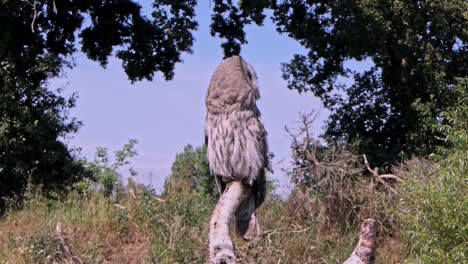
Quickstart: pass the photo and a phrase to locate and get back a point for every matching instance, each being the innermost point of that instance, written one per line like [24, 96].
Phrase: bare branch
[220, 244]
[364, 252]
[366, 162]
[391, 176]
[60, 238]
[380, 178]
[34, 16]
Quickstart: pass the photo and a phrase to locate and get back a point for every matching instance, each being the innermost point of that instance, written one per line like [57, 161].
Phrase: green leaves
[389, 109]
[228, 21]
[190, 173]
[38, 41]
[105, 172]
[436, 227]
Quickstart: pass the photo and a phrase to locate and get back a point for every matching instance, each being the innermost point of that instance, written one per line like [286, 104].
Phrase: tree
[190, 173]
[105, 172]
[38, 40]
[416, 49]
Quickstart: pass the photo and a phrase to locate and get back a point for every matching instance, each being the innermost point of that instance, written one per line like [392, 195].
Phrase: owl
[236, 140]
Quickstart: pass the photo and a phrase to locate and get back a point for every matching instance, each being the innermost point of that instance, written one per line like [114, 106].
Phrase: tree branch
[220, 244]
[364, 252]
[380, 178]
[34, 16]
[68, 254]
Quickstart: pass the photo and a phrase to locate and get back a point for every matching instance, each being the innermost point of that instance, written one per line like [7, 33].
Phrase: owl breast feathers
[236, 139]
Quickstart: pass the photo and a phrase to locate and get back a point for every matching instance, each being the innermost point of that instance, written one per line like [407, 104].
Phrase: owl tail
[246, 222]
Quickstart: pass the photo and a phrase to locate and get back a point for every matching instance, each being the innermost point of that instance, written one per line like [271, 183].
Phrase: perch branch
[220, 244]
[364, 252]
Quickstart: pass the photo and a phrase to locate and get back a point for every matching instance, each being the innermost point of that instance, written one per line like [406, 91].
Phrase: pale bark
[220, 244]
[67, 255]
[364, 252]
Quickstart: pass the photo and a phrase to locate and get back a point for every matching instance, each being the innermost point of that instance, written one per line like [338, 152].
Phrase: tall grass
[146, 228]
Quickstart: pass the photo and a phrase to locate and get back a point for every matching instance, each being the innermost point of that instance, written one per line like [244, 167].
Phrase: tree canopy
[417, 50]
[190, 173]
[38, 41]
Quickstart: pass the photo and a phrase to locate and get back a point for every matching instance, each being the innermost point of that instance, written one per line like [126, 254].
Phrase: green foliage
[228, 21]
[190, 173]
[40, 247]
[162, 229]
[37, 41]
[178, 226]
[416, 49]
[32, 119]
[436, 222]
[106, 172]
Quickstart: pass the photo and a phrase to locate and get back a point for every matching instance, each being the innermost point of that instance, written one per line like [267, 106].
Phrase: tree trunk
[364, 252]
[220, 244]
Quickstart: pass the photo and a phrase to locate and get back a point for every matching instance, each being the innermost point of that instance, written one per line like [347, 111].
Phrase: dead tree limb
[381, 178]
[59, 236]
[364, 252]
[220, 244]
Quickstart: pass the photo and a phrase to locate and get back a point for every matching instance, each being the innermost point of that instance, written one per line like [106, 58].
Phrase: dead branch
[220, 244]
[391, 176]
[364, 252]
[380, 178]
[269, 233]
[60, 238]
[120, 206]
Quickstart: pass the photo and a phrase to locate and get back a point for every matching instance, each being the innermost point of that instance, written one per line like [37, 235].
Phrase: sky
[164, 116]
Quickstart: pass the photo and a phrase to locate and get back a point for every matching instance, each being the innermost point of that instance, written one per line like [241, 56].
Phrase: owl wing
[219, 182]
[259, 186]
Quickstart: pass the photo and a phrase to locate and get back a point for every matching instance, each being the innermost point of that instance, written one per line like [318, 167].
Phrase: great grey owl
[236, 139]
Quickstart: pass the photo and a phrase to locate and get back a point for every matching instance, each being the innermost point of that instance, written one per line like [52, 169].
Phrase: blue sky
[165, 116]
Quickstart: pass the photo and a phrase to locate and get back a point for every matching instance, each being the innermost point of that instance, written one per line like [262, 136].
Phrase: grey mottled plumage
[235, 137]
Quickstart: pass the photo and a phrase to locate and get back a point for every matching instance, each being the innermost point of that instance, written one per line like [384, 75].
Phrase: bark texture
[364, 252]
[220, 244]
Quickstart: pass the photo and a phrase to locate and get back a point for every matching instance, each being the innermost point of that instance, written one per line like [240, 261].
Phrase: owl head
[233, 87]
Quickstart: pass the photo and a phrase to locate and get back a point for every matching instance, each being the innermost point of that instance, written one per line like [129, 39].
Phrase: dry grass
[144, 228]
[96, 231]
[148, 229]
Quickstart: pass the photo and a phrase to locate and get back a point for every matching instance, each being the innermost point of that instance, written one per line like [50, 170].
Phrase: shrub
[334, 185]
[435, 217]
[105, 172]
[190, 173]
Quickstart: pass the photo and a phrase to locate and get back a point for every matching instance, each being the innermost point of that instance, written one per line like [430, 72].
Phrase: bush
[190, 173]
[435, 220]
[104, 172]
[334, 186]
